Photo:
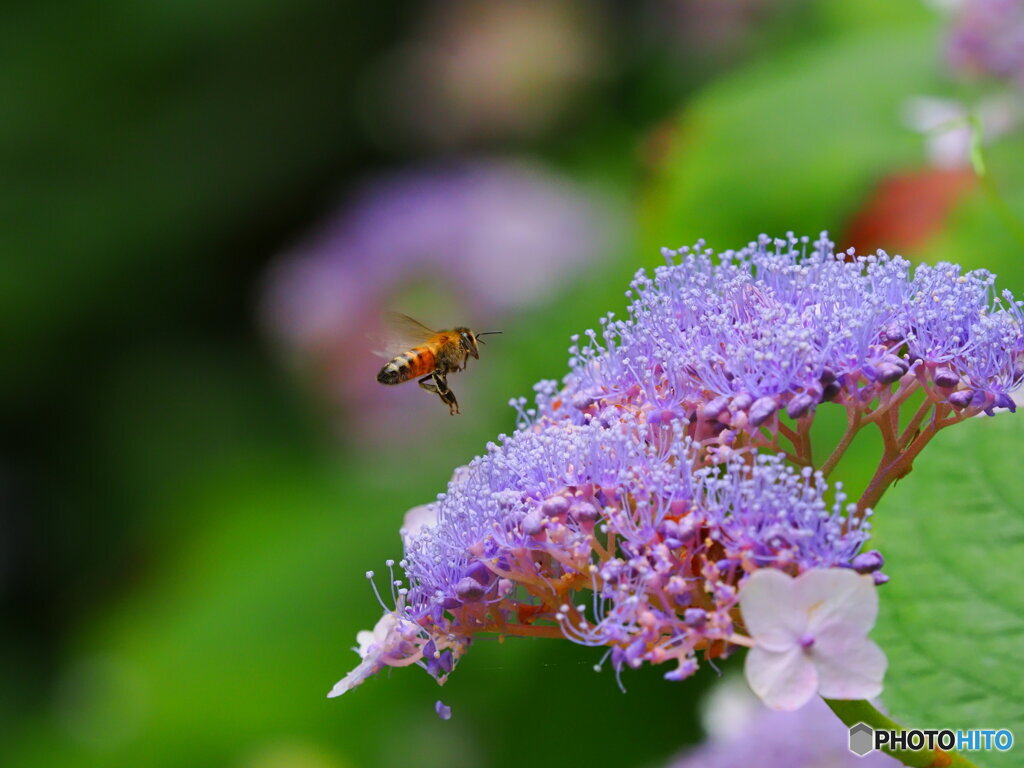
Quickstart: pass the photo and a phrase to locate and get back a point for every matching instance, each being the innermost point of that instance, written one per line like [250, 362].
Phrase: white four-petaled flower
[810, 635]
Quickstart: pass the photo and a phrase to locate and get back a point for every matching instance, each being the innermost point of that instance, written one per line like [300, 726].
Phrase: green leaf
[952, 617]
[792, 144]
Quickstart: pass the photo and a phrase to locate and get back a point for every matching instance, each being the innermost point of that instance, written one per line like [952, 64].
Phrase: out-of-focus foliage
[184, 531]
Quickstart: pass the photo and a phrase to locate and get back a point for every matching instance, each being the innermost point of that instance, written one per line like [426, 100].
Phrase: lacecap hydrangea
[640, 493]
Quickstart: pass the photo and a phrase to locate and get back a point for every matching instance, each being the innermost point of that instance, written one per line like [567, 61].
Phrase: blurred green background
[191, 495]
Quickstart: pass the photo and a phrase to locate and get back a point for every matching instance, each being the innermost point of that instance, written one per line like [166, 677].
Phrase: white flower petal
[837, 595]
[416, 519]
[782, 680]
[363, 670]
[855, 673]
[771, 610]
[364, 638]
[374, 647]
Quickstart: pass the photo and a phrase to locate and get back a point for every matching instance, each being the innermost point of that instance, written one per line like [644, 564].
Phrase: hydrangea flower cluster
[674, 462]
[742, 350]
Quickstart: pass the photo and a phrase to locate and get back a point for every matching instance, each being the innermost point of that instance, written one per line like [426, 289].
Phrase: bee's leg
[448, 398]
[438, 384]
[429, 383]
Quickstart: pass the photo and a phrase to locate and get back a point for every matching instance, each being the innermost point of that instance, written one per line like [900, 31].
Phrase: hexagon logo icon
[862, 739]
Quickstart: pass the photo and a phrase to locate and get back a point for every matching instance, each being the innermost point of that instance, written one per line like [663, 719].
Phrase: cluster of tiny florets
[635, 500]
[782, 326]
[614, 534]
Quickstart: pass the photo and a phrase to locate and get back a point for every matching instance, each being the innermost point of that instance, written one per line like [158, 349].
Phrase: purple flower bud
[533, 523]
[897, 361]
[635, 652]
[555, 507]
[668, 529]
[887, 373]
[714, 408]
[469, 590]
[827, 376]
[683, 671]
[879, 578]
[443, 711]
[945, 377]
[1005, 401]
[683, 598]
[891, 334]
[799, 406]
[695, 617]
[439, 664]
[741, 402]
[584, 512]
[867, 562]
[961, 398]
[480, 572]
[581, 401]
[762, 408]
[830, 392]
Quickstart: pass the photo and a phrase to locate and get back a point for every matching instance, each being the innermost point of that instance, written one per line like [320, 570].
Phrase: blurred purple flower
[741, 732]
[987, 39]
[486, 236]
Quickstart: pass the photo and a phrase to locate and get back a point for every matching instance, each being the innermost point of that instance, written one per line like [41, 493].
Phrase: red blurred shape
[905, 210]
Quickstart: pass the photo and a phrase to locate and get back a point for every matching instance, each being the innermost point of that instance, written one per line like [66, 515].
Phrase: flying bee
[431, 355]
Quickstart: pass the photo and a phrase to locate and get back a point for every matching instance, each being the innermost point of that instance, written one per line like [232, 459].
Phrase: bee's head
[469, 340]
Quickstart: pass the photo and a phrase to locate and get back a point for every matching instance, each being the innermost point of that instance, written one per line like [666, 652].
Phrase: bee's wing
[399, 333]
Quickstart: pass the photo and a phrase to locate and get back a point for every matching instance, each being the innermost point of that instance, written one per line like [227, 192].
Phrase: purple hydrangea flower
[611, 536]
[674, 461]
[774, 329]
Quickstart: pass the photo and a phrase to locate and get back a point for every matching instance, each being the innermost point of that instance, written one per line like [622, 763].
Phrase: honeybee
[431, 355]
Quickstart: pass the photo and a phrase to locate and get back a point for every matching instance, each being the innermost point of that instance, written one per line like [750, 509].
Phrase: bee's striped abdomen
[418, 361]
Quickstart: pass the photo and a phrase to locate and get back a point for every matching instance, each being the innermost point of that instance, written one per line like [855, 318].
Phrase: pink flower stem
[853, 425]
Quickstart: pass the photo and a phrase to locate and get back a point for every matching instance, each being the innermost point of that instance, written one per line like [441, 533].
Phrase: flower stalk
[852, 712]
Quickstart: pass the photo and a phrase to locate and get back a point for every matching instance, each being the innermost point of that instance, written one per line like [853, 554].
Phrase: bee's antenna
[486, 333]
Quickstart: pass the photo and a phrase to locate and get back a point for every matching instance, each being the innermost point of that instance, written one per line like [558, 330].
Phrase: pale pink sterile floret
[390, 643]
[810, 636]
